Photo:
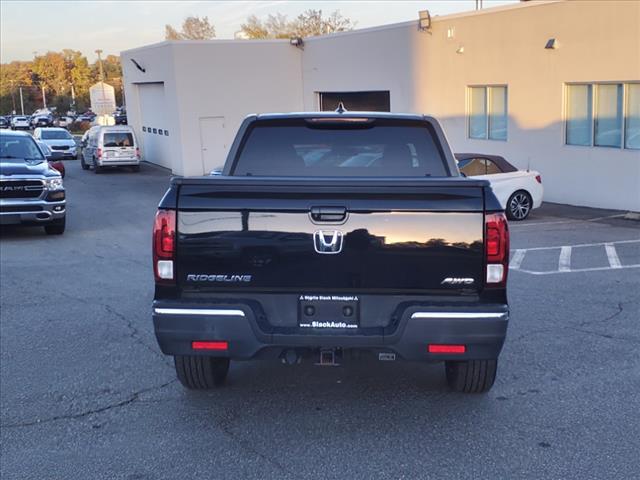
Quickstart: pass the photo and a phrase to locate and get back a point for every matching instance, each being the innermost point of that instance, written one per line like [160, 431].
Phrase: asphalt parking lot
[85, 392]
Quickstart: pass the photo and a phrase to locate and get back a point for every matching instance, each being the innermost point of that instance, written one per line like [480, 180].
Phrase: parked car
[31, 193]
[58, 140]
[296, 252]
[63, 122]
[110, 146]
[45, 120]
[120, 117]
[54, 159]
[20, 122]
[518, 191]
[4, 122]
[86, 117]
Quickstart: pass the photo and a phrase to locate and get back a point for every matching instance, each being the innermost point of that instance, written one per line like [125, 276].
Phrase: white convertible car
[518, 191]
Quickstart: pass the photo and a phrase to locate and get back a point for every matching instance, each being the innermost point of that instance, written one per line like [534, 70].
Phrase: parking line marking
[567, 222]
[564, 262]
[582, 245]
[516, 261]
[594, 269]
[612, 255]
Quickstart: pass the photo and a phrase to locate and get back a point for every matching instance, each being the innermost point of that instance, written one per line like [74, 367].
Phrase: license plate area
[329, 312]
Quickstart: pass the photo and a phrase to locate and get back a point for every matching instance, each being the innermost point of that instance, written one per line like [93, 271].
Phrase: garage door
[372, 101]
[155, 128]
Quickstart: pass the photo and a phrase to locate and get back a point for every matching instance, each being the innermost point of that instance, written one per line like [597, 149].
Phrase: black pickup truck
[330, 235]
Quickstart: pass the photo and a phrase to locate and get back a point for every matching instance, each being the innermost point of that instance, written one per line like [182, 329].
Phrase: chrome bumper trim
[459, 315]
[199, 311]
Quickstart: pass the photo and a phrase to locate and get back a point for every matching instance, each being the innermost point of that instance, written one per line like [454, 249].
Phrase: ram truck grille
[21, 188]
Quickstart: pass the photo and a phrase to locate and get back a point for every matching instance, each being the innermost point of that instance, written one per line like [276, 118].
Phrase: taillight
[496, 247]
[164, 246]
[539, 179]
[99, 153]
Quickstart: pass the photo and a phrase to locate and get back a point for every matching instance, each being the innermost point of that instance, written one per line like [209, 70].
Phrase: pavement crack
[224, 426]
[134, 397]
[135, 333]
[603, 335]
[610, 317]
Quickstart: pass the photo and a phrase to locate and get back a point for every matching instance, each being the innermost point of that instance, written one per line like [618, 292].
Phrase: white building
[553, 86]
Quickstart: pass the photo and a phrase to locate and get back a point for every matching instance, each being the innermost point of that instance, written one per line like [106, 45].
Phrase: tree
[308, 24]
[193, 28]
[57, 72]
[13, 76]
[50, 72]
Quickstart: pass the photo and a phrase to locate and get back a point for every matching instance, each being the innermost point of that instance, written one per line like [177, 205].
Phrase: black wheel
[471, 376]
[135, 168]
[96, 168]
[55, 228]
[519, 205]
[82, 164]
[201, 373]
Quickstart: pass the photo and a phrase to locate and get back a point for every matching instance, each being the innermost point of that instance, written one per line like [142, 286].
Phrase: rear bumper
[481, 330]
[121, 162]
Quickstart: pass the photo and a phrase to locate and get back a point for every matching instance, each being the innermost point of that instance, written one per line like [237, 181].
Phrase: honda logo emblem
[327, 241]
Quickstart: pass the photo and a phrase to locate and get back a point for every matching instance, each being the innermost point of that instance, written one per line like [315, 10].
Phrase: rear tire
[519, 205]
[82, 164]
[56, 228]
[96, 168]
[471, 376]
[201, 373]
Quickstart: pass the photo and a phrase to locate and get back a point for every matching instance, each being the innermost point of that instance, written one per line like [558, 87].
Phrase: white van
[113, 146]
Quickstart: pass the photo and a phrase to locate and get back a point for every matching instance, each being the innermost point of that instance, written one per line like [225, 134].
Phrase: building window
[603, 115]
[578, 124]
[487, 117]
[608, 116]
[632, 118]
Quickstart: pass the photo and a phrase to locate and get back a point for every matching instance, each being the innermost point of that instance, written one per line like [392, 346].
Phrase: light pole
[21, 102]
[13, 97]
[73, 99]
[99, 52]
[44, 96]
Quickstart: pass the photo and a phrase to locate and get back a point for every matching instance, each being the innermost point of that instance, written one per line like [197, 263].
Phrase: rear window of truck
[349, 147]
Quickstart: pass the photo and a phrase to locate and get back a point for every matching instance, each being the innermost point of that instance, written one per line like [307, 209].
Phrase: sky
[113, 26]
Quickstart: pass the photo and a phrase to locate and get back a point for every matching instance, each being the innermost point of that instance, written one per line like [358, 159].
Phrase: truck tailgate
[413, 236]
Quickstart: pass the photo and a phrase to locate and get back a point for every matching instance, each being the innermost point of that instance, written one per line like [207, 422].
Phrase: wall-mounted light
[552, 44]
[424, 21]
[297, 42]
[460, 49]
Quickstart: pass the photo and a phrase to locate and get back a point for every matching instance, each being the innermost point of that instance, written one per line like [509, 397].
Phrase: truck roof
[338, 115]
